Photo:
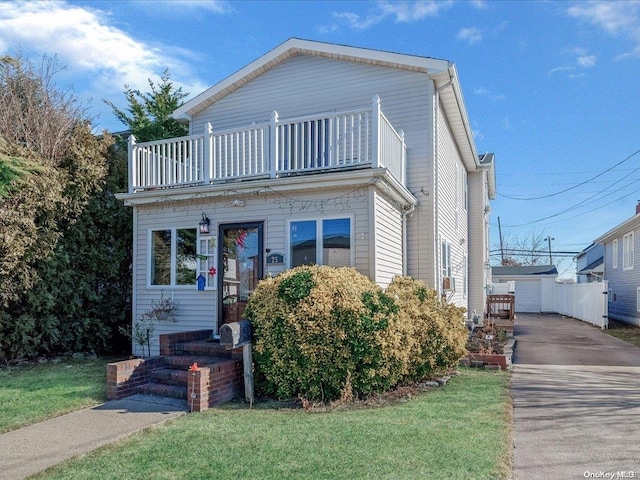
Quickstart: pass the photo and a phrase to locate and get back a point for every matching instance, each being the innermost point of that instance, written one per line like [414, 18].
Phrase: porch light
[204, 224]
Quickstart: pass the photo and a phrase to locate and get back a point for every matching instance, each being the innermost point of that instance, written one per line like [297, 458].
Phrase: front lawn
[459, 431]
[32, 393]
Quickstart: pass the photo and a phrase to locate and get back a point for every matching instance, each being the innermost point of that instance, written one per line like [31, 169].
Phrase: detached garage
[534, 286]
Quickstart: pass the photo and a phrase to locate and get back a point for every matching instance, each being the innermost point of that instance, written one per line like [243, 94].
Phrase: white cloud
[620, 18]
[83, 39]
[488, 94]
[401, 12]
[586, 61]
[582, 60]
[471, 35]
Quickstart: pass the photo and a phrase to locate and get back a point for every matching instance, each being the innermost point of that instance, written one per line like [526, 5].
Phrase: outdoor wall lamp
[204, 224]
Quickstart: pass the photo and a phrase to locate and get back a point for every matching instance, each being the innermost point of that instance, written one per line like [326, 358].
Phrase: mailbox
[235, 334]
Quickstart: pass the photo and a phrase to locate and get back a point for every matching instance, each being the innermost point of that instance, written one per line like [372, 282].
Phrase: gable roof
[442, 72]
[297, 46]
[525, 270]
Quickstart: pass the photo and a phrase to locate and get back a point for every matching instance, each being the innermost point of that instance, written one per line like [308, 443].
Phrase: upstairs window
[627, 251]
[615, 254]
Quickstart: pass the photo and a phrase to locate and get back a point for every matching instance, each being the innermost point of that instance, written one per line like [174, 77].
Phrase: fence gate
[585, 301]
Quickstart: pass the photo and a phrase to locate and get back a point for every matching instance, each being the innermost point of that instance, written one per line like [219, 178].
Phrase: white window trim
[319, 220]
[627, 251]
[172, 284]
[614, 258]
[637, 299]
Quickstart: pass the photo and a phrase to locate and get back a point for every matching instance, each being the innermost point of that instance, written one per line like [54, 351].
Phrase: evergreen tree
[149, 115]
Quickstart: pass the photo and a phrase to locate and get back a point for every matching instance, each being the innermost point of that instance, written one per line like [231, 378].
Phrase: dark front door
[241, 261]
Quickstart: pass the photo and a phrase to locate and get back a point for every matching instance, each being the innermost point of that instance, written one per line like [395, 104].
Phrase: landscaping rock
[477, 363]
[464, 362]
[430, 384]
[492, 367]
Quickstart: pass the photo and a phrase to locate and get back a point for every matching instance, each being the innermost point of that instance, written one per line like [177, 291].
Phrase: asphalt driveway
[576, 399]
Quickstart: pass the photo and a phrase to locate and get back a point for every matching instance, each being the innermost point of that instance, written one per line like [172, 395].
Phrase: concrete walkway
[34, 448]
[576, 398]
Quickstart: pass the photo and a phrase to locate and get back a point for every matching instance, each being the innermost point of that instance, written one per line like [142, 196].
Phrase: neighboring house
[590, 264]
[313, 153]
[621, 269]
[534, 286]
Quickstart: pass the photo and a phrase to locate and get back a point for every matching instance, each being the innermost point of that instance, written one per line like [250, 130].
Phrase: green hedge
[321, 332]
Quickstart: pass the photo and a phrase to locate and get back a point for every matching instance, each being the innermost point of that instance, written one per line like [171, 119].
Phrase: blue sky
[550, 87]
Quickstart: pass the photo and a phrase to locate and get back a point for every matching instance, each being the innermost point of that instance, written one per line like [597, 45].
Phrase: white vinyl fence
[584, 301]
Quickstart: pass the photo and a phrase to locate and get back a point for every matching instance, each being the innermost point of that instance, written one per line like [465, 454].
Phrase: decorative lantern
[204, 224]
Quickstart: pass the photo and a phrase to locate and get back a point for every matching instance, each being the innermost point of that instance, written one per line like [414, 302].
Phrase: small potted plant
[164, 308]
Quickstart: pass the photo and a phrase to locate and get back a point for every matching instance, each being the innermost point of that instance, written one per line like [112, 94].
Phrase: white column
[208, 163]
[273, 150]
[403, 150]
[375, 117]
[133, 171]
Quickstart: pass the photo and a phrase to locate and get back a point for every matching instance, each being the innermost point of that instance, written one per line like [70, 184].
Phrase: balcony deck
[282, 147]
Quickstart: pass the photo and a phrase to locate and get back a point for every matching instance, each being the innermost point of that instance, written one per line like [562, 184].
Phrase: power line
[574, 186]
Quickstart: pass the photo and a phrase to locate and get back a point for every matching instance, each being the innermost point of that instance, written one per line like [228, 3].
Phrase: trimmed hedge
[321, 332]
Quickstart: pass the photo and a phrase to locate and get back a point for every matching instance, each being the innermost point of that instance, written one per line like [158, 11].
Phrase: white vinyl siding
[451, 221]
[614, 253]
[388, 241]
[627, 251]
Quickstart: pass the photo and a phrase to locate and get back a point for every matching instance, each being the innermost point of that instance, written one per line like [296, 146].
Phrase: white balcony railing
[280, 147]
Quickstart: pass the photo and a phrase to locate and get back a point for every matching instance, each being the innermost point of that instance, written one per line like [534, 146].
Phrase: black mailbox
[235, 334]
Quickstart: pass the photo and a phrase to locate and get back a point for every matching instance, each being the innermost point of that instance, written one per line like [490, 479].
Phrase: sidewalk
[34, 448]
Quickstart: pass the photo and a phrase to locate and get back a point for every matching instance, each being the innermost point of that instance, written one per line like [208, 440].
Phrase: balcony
[279, 148]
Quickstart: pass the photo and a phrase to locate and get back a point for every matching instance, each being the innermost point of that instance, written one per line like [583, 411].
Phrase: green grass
[624, 331]
[459, 431]
[33, 393]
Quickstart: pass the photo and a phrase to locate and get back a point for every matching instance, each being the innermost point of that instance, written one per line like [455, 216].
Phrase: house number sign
[275, 259]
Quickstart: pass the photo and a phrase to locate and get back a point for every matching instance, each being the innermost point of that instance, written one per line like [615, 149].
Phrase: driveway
[576, 401]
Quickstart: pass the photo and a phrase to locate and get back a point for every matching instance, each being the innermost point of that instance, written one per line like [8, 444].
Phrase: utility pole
[501, 247]
[548, 239]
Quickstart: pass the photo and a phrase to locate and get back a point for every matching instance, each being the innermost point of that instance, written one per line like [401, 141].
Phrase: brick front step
[170, 376]
[207, 348]
[180, 362]
[163, 390]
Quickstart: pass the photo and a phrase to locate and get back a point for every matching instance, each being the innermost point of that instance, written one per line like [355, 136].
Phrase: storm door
[240, 261]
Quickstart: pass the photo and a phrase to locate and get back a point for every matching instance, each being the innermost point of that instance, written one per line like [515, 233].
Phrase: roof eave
[455, 109]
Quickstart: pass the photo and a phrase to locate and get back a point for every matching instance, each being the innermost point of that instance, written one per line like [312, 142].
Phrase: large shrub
[320, 329]
[435, 333]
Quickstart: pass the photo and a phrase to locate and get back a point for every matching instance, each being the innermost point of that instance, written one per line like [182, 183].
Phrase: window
[638, 299]
[207, 260]
[446, 259]
[326, 242]
[627, 251]
[615, 254]
[173, 257]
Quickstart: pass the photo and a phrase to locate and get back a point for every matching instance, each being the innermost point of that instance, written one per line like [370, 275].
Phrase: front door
[241, 261]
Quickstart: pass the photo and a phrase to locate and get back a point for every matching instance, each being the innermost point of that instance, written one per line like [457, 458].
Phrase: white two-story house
[313, 153]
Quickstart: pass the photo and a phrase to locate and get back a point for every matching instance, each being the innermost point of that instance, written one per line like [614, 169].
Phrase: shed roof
[525, 270]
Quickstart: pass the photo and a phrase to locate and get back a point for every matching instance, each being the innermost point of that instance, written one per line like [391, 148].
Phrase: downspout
[405, 213]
